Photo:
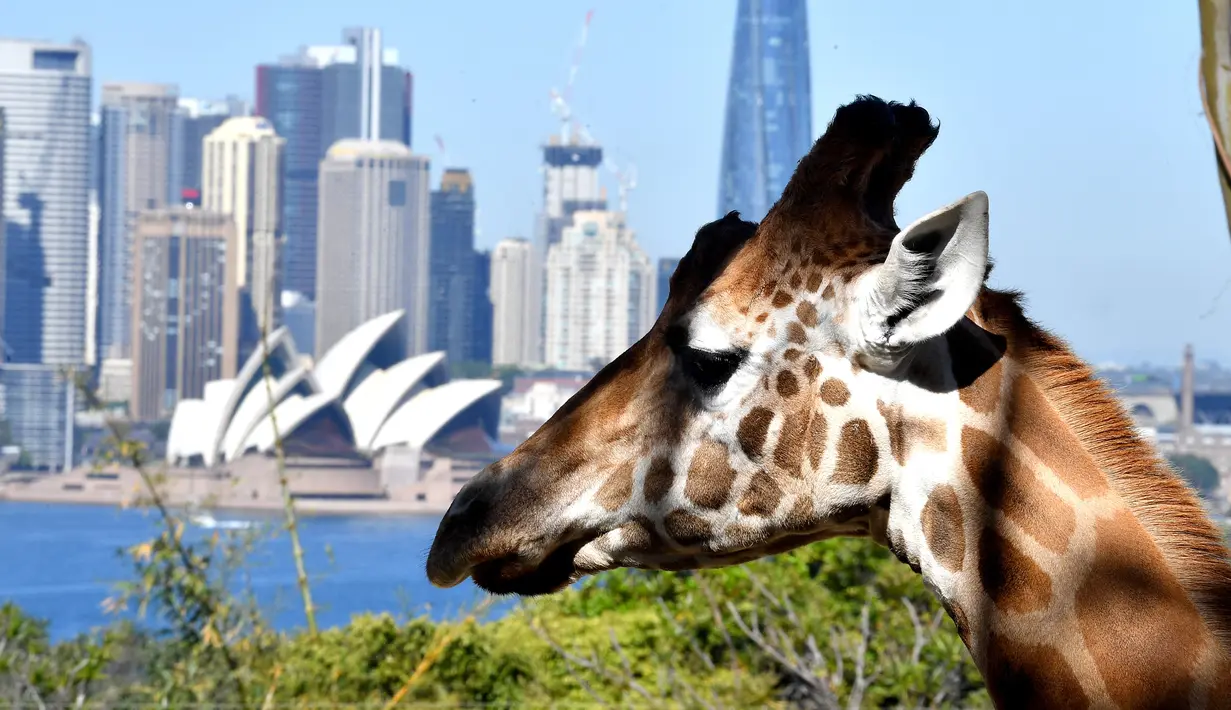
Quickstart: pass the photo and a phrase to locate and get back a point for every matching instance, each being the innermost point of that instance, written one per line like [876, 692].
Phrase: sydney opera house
[363, 428]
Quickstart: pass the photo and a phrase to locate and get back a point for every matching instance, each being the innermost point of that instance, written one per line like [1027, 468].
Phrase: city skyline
[1129, 201]
[1072, 184]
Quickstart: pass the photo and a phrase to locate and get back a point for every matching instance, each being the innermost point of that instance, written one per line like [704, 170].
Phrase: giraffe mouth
[512, 575]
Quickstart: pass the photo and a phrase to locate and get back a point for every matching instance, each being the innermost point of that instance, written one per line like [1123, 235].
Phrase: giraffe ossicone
[826, 373]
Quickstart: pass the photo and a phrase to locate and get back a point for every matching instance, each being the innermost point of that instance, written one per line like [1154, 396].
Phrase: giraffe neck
[1076, 566]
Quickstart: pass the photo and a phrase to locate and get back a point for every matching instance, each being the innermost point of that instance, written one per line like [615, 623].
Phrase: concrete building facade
[514, 334]
[372, 240]
[45, 96]
[600, 292]
[135, 164]
[242, 168]
[185, 307]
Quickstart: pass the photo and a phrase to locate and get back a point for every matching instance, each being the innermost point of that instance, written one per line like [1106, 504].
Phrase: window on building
[397, 193]
[55, 60]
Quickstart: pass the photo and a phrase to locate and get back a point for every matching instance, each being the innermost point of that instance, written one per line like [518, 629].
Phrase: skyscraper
[481, 309]
[451, 274]
[769, 106]
[242, 177]
[195, 119]
[514, 334]
[45, 95]
[315, 98]
[600, 292]
[373, 240]
[185, 307]
[666, 267]
[3, 347]
[135, 163]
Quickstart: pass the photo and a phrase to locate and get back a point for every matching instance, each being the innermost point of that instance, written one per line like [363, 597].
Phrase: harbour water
[59, 562]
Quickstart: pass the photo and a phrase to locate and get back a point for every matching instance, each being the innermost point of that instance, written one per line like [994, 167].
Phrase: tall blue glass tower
[769, 106]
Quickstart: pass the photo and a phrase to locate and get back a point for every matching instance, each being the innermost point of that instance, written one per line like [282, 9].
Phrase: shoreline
[315, 507]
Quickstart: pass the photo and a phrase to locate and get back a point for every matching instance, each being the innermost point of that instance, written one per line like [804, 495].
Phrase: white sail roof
[416, 422]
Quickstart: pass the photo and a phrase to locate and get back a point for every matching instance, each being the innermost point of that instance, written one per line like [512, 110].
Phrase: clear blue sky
[1081, 120]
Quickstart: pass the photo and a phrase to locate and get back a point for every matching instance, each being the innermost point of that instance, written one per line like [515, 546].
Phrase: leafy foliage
[835, 624]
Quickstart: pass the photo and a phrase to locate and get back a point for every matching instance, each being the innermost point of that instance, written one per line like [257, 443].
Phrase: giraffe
[828, 373]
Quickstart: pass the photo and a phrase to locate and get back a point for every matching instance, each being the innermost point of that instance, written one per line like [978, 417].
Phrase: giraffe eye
[707, 369]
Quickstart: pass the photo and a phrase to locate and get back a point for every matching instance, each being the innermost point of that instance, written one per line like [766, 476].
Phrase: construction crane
[573, 131]
[626, 179]
[560, 100]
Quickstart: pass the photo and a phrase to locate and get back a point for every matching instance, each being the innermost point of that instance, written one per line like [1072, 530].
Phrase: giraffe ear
[934, 272]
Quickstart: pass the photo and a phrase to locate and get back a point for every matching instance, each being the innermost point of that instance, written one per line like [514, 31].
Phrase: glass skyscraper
[769, 106]
[314, 99]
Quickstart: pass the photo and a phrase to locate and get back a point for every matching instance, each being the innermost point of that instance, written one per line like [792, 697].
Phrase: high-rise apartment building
[666, 267]
[242, 168]
[315, 98]
[373, 240]
[185, 307]
[515, 336]
[769, 106]
[570, 184]
[451, 301]
[600, 292]
[136, 165]
[45, 96]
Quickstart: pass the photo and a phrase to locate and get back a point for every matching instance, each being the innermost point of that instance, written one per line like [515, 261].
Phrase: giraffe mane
[1164, 504]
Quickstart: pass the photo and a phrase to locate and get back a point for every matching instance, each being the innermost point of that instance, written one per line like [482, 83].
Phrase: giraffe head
[747, 421]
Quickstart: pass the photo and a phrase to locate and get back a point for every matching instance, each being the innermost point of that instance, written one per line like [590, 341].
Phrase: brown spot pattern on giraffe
[788, 384]
[1012, 580]
[752, 431]
[802, 516]
[984, 393]
[618, 487]
[834, 392]
[942, 527]
[857, 454]
[762, 496]
[814, 281]
[710, 476]
[1133, 612]
[1009, 485]
[781, 298]
[795, 333]
[816, 439]
[1039, 427]
[812, 368]
[791, 354]
[806, 313]
[827, 294]
[636, 536]
[686, 529]
[906, 432]
[761, 318]
[1028, 676]
[658, 480]
[789, 452]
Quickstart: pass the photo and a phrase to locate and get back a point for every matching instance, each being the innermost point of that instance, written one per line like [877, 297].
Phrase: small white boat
[209, 522]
